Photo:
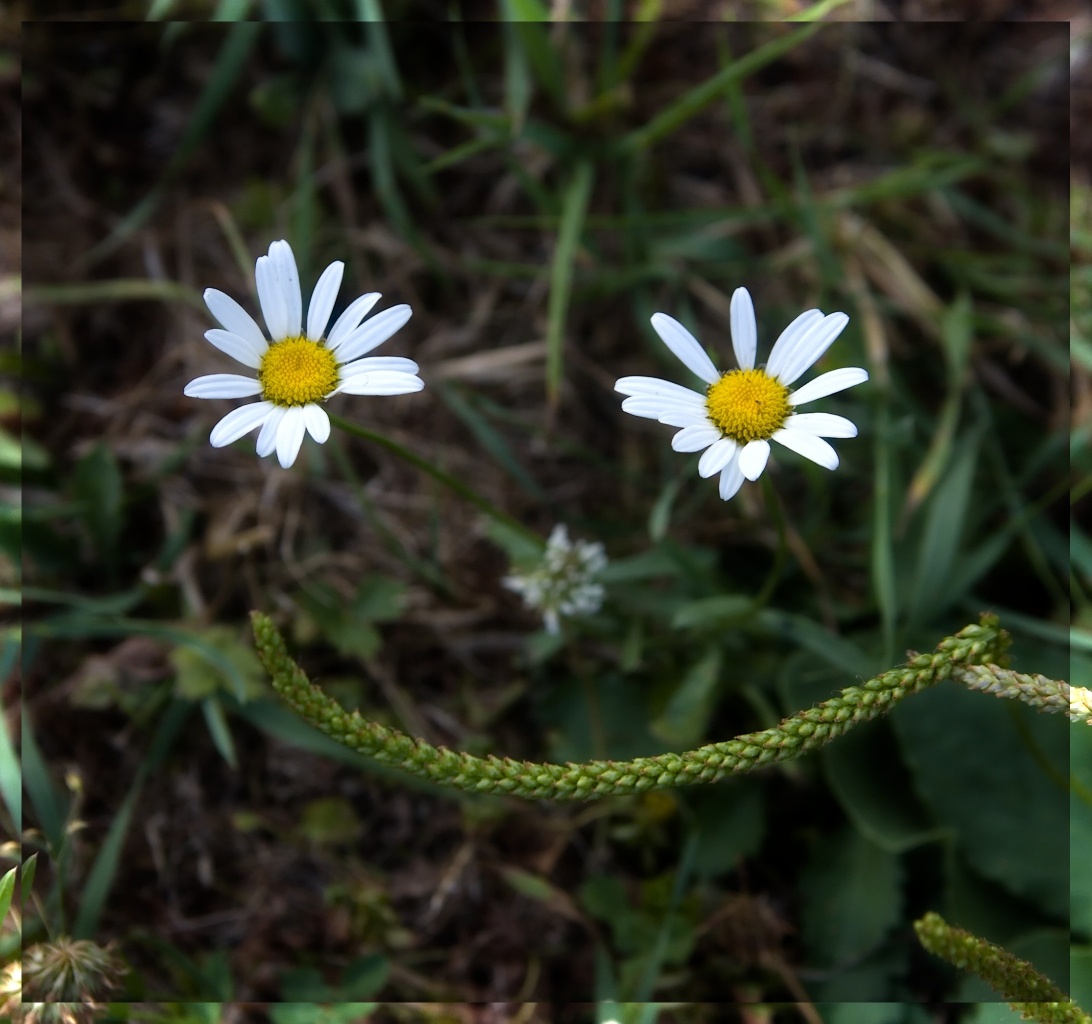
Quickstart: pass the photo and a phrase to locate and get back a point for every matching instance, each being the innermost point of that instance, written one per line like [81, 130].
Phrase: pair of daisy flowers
[300, 366]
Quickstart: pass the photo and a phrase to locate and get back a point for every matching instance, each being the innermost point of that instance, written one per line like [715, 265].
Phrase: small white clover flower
[298, 369]
[563, 581]
[743, 410]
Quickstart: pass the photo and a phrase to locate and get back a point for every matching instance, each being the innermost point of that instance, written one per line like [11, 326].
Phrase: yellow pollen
[297, 371]
[748, 405]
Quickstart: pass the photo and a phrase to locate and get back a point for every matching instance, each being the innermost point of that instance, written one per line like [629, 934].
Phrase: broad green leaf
[97, 486]
[683, 722]
[197, 676]
[852, 897]
[836, 651]
[873, 787]
[872, 1013]
[732, 826]
[1080, 830]
[329, 821]
[1080, 975]
[975, 774]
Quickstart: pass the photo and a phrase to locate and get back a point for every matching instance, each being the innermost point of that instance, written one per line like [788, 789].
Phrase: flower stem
[437, 474]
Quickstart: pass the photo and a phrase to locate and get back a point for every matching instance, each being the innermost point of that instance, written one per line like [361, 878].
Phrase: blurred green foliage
[572, 180]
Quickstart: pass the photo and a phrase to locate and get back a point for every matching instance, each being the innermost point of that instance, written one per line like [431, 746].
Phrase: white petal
[653, 386]
[641, 405]
[222, 385]
[731, 479]
[238, 422]
[653, 407]
[240, 349]
[271, 298]
[752, 460]
[695, 438]
[290, 436]
[267, 438]
[288, 276]
[744, 329]
[378, 363]
[717, 456]
[828, 384]
[373, 333]
[317, 422]
[322, 300]
[234, 318]
[794, 360]
[682, 417]
[685, 346]
[380, 382]
[350, 319]
[808, 445]
[822, 424]
[791, 335]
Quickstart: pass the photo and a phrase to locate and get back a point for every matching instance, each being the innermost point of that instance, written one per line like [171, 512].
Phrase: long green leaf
[944, 527]
[11, 782]
[49, 805]
[668, 121]
[7, 888]
[561, 274]
[100, 879]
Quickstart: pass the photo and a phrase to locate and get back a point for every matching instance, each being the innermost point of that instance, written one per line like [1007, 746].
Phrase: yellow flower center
[297, 371]
[748, 405]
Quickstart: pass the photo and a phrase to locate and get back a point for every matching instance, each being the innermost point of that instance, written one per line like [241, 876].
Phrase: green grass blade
[460, 488]
[11, 783]
[231, 10]
[517, 81]
[118, 290]
[487, 436]
[884, 583]
[668, 121]
[379, 43]
[49, 805]
[561, 274]
[100, 879]
[30, 869]
[818, 11]
[219, 730]
[944, 528]
[7, 889]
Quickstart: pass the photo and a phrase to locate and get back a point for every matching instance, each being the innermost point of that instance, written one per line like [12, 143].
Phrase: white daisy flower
[298, 368]
[563, 581]
[743, 410]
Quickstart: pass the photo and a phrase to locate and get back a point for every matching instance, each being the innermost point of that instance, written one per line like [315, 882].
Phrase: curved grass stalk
[793, 737]
[1051, 695]
[1028, 992]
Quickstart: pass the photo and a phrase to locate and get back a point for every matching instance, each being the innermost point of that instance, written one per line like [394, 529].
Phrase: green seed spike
[1033, 996]
[795, 736]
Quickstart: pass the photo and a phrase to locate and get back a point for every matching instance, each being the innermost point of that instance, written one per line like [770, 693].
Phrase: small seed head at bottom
[297, 371]
[748, 405]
